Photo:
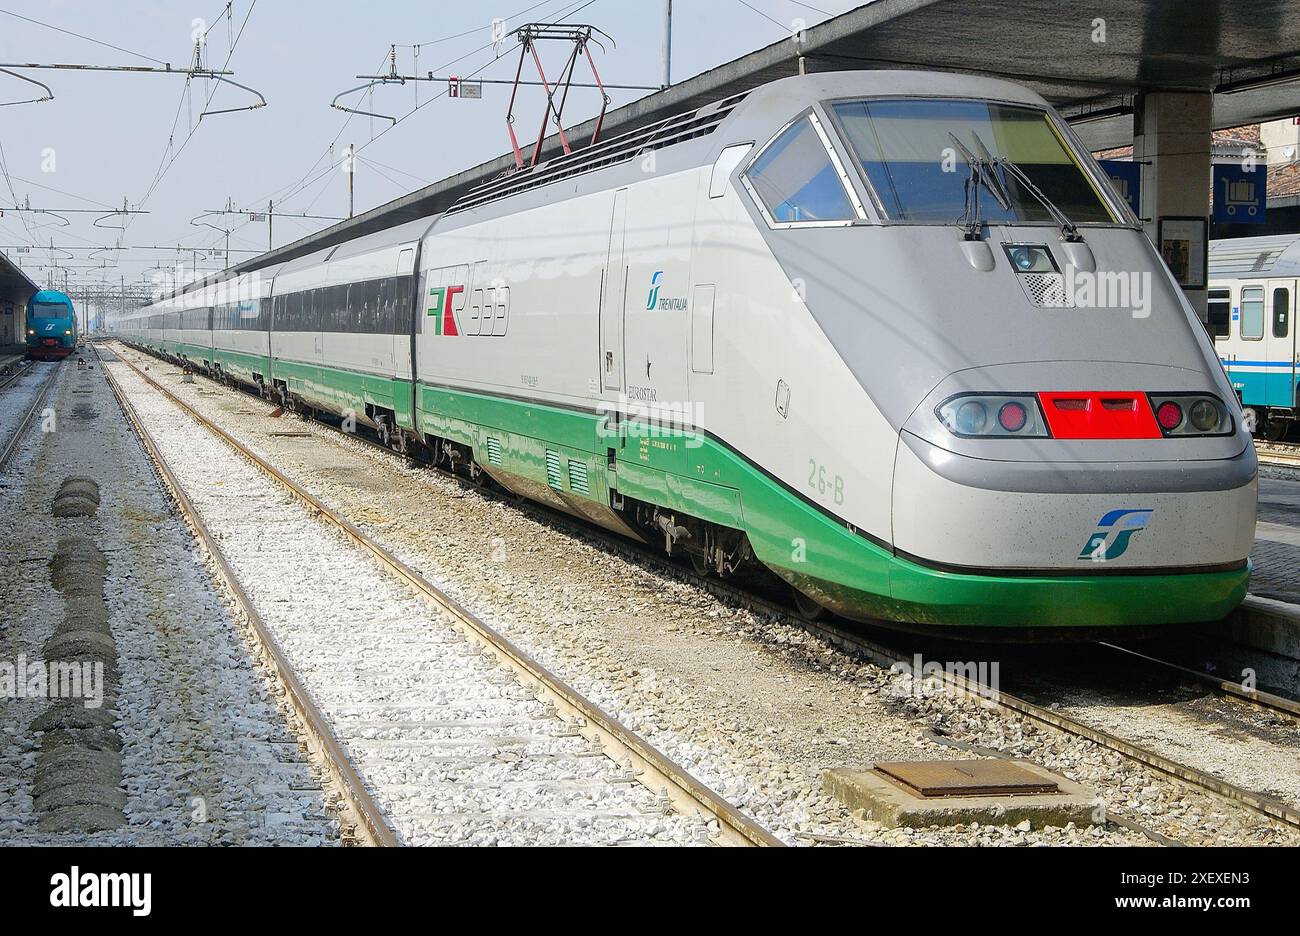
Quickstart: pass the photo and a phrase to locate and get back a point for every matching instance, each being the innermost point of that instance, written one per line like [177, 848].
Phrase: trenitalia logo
[653, 299]
[1114, 531]
[667, 304]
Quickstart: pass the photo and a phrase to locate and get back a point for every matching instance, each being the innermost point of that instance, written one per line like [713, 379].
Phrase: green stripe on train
[704, 478]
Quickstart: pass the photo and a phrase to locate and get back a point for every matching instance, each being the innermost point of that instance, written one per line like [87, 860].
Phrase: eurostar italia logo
[442, 309]
[1114, 531]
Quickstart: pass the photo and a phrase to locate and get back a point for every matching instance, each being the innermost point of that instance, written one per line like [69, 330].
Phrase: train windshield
[914, 153]
[50, 310]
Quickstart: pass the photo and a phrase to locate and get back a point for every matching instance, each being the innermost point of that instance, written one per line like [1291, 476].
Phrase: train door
[1280, 344]
[613, 298]
[1249, 362]
[397, 296]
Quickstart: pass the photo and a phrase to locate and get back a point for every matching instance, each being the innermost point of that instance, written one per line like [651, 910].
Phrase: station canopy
[15, 285]
[1090, 60]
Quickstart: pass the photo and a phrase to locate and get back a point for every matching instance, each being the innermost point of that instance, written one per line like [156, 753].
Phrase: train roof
[1276, 255]
[51, 295]
[669, 110]
[760, 111]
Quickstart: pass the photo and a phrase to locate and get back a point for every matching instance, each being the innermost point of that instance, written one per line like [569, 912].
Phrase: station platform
[1276, 556]
[10, 354]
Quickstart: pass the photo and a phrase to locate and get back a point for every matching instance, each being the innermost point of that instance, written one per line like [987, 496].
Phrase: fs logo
[1114, 531]
[653, 299]
[443, 308]
[49, 326]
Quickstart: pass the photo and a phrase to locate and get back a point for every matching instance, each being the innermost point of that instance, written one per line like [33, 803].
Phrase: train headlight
[1030, 258]
[31, 331]
[1204, 415]
[972, 417]
[1191, 414]
[67, 331]
[968, 415]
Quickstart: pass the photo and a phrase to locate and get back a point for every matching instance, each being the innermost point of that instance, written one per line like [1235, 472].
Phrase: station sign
[1126, 176]
[1240, 195]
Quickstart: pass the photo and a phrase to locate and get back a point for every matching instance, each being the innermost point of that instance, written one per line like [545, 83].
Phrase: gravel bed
[757, 708]
[17, 397]
[206, 755]
[1279, 472]
[450, 744]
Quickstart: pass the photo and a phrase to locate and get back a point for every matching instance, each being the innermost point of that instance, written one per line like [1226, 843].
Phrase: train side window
[796, 181]
[1220, 309]
[1252, 313]
[1281, 312]
[402, 304]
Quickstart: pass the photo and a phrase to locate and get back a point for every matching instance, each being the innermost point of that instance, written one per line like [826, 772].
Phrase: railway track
[650, 767]
[851, 640]
[12, 376]
[10, 444]
[1278, 453]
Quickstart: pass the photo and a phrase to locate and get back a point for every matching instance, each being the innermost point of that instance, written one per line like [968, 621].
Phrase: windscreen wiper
[1069, 231]
[996, 185]
[981, 173]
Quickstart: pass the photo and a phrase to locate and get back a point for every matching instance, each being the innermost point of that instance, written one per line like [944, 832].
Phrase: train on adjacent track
[51, 325]
[837, 326]
[1252, 302]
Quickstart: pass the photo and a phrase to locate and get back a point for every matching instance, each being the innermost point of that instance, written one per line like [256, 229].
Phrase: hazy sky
[105, 137]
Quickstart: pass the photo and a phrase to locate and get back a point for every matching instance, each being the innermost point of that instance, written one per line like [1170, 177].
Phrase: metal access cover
[966, 778]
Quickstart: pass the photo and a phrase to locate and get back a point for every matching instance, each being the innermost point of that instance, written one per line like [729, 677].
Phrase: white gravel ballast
[187, 745]
[450, 745]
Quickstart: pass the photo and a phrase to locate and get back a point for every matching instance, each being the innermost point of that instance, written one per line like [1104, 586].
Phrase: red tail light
[1169, 415]
[1012, 417]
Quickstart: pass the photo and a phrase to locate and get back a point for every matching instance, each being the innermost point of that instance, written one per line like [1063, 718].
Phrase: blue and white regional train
[1253, 283]
[846, 325]
[51, 325]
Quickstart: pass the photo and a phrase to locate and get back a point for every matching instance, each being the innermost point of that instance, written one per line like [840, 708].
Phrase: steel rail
[658, 772]
[1278, 453]
[24, 368]
[11, 444]
[370, 817]
[884, 657]
[1226, 686]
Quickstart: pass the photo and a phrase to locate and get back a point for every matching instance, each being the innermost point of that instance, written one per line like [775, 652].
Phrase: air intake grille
[494, 451]
[578, 478]
[622, 148]
[553, 477]
[1046, 290]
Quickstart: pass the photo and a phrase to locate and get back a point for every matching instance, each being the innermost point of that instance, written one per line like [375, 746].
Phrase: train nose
[1118, 490]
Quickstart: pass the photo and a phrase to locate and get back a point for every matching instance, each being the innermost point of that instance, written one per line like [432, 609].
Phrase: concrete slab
[893, 805]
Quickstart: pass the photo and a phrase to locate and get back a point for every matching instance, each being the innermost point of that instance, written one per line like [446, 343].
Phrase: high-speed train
[862, 328]
[1253, 283]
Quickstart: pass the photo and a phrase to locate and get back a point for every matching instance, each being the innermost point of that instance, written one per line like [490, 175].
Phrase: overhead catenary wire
[78, 35]
[308, 179]
[161, 174]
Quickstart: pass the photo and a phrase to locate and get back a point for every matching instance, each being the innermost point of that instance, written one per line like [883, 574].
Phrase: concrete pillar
[1172, 132]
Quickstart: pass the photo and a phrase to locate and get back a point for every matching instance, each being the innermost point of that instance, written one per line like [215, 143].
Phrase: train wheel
[1275, 430]
[700, 563]
[808, 609]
